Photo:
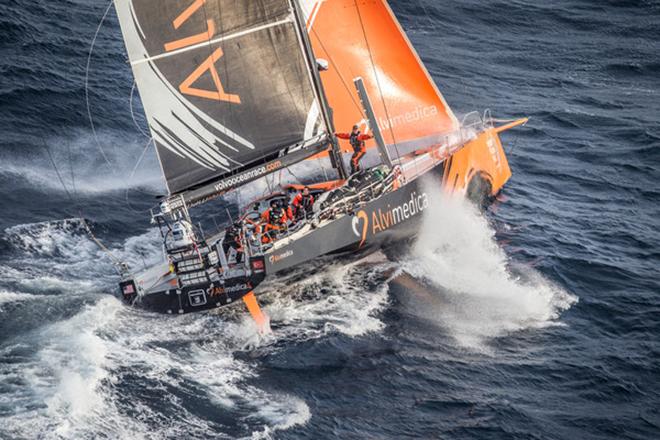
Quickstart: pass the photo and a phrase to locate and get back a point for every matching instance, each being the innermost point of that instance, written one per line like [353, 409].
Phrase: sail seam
[213, 41]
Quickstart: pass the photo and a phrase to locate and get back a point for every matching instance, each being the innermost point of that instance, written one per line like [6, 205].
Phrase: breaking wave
[343, 298]
[107, 372]
[110, 371]
[478, 294]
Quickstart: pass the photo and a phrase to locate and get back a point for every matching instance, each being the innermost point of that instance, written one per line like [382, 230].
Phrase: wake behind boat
[235, 94]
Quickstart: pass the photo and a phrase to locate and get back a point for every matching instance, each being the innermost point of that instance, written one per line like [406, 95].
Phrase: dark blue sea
[538, 319]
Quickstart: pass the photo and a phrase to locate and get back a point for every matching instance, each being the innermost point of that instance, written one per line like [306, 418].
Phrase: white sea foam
[60, 253]
[82, 363]
[476, 295]
[332, 301]
[72, 381]
[80, 165]
[12, 297]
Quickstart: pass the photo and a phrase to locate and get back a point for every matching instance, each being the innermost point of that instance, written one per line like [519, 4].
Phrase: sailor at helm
[274, 219]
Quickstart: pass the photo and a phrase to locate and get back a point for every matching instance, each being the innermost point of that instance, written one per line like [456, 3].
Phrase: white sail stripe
[175, 148]
[173, 145]
[312, 117]
[205, 149]
[226, 144]
[315, 11]
[213, 41]
[165, 143]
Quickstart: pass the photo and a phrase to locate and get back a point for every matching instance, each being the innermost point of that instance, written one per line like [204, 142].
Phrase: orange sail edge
[407, 102]
[260, 318]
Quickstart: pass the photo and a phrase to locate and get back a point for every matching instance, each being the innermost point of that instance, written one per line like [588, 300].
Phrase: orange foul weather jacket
[271, 224]
[359, 149]
[301, 202]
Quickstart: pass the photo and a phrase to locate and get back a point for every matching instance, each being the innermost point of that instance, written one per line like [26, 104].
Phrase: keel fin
[257, 314]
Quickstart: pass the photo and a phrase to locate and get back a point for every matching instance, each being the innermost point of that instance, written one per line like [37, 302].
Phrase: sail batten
[224, 83]
[212, 41]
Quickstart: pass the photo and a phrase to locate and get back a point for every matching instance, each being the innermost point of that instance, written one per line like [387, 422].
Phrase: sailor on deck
[357, 142]
[232, 240]
[302, 204]
[273, 219]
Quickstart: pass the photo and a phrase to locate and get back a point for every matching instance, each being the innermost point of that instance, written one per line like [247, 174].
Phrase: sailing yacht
[236, 91]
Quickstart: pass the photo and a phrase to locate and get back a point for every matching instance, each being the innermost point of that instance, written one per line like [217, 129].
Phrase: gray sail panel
[224, 83]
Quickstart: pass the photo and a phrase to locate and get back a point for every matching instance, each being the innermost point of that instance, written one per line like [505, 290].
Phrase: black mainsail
[228, 88]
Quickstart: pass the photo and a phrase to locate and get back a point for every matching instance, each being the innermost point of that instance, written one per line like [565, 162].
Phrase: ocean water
[538, 319]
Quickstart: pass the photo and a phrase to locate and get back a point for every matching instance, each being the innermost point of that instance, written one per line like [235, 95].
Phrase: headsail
[224, 83]
[364, 39]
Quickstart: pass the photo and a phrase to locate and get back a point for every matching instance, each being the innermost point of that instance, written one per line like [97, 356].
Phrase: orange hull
[483, 157]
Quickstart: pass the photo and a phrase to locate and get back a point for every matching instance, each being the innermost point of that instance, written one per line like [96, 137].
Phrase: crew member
[302, 204]
[233, 240]
[274, 219]
[357, 142]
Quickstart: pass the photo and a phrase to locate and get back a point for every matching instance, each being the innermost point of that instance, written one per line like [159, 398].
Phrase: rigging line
[238, 202]
[57, 171]
[306, 75]
[89, 109]
[130, 179]
[294, 176]
[117, 263]
[73, 176]
[269, 185]
[130, 103]
[380, 90]
[351, 92]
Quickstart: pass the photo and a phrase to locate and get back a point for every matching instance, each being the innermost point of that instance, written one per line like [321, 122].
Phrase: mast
[326, 110]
